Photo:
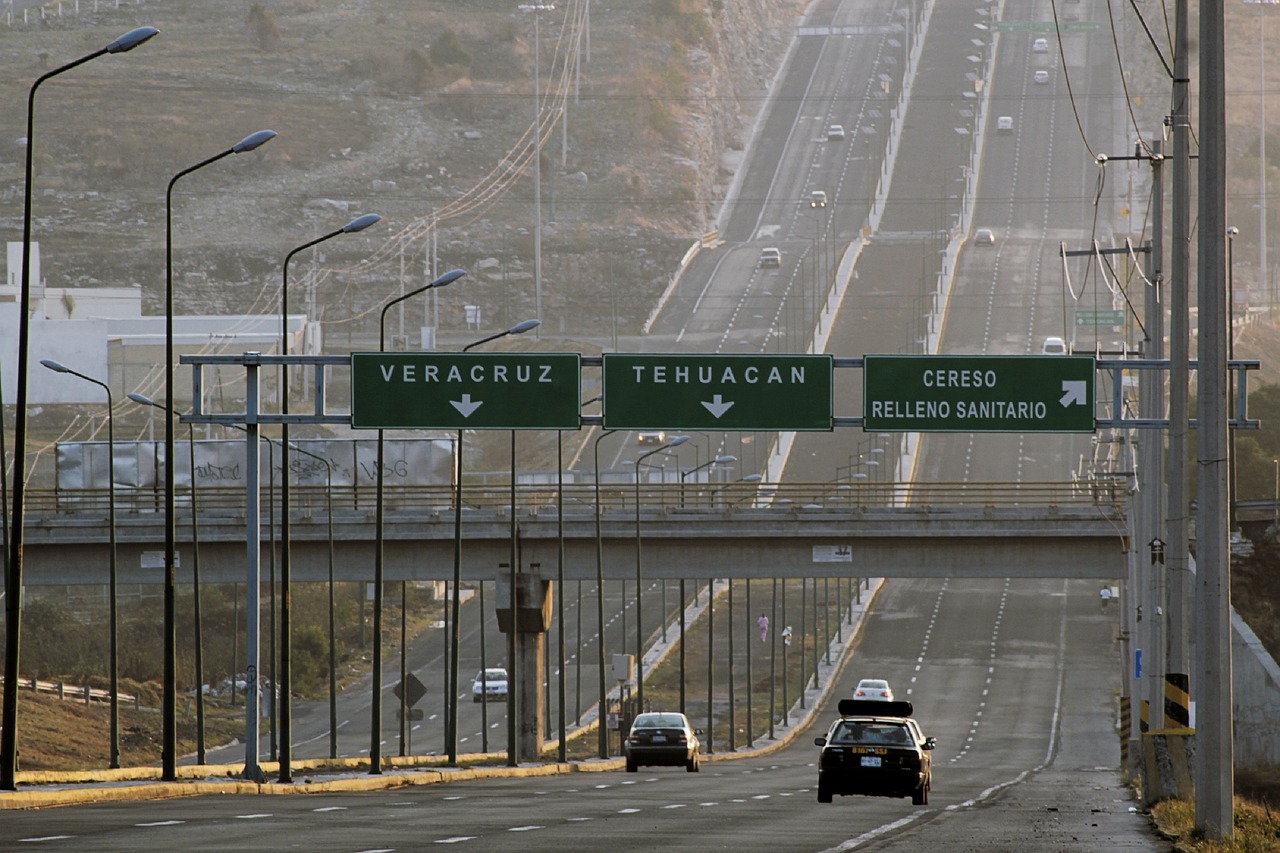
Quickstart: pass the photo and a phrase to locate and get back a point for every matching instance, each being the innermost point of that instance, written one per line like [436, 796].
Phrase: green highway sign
[1108, 317]
[717, 392]
[978, 393]
[438, 390]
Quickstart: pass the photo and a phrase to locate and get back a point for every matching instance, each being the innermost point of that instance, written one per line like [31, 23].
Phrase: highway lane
[428, 659]
[985, 665]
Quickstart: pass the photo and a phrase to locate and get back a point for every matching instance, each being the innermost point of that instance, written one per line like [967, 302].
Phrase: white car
[489, 684]
[771, 257]
[835, 133]
[817, 198]
[873, 690]
[984, 237]
[1041, 76]
[1053, 345]
[1004, 124]
[658, 437]
[1040, 46]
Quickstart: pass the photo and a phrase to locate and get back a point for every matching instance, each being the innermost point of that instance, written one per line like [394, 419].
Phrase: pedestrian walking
[763, 622]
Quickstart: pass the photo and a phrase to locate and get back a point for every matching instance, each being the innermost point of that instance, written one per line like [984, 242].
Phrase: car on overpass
[875, 749]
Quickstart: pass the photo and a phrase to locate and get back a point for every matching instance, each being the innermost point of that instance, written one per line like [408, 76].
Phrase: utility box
[533, 603]
[624, 667]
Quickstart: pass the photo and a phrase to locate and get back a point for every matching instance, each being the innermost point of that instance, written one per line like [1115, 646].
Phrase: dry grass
[1256, 828]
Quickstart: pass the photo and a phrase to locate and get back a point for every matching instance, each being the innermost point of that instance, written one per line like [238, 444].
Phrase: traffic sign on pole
[717, 392]
[438, 390]
[980, 393]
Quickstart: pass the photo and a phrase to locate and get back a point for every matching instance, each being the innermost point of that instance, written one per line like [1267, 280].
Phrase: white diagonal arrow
[464, 406]
[1074, 392]
[716, 407]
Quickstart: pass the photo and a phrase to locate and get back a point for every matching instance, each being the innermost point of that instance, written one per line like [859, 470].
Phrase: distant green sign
[992, 393]
[1107, 318]
[717, 392]
[437, 390]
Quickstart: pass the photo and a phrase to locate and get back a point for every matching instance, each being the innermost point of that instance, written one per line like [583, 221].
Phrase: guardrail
[1108, 492]
[72, 691]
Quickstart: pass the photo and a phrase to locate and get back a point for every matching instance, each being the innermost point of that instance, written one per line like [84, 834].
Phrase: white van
[1004, 124]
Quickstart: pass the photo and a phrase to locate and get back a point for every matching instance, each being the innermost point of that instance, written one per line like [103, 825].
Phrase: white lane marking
[162, 823]
[675, 806]
[708, 804]
[529, 828]
[454, 797]
[761, 796]
[331, 809]
[628, 811]
[579, 819]
[455, 839]
[48, 838]
[378, 850]
[252, 816]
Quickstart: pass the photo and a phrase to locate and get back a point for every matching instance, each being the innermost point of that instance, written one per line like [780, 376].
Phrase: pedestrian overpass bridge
[743, 530]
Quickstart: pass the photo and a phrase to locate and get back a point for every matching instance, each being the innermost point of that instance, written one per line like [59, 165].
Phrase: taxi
[875, 749]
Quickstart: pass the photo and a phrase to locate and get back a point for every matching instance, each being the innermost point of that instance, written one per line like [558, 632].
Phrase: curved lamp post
[13, 575]
[358, 224]
[375, 705]
[719, 460]
[169, 703]
[113, 650]
[675, 441]
[604, 689]
[455, 631]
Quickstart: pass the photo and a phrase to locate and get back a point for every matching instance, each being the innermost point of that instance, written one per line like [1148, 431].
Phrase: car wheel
[920, 796]
[475, 699]
[631, 766]
[693, 765]
[824, 793]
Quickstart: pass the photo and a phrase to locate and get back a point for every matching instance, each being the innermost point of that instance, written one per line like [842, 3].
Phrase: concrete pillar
[533, 620]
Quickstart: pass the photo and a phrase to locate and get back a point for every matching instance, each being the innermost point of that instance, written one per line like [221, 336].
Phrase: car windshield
[874, 685]
[850, 733]
[492, 675]
[659, 721]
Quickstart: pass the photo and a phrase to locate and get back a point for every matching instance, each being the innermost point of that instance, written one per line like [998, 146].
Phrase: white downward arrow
[716, 407]
[1073, 392]
[464, 406]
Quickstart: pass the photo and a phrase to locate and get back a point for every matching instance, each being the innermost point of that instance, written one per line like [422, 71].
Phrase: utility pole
[1214, 785]
[1177, 569]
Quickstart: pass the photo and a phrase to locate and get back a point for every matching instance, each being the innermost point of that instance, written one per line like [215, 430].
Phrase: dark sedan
[875, 749]
[664, 738]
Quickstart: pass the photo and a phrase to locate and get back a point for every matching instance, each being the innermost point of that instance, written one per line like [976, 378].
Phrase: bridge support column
[533, 620]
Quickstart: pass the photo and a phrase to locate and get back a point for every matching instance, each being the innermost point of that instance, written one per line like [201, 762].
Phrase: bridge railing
[311, 501]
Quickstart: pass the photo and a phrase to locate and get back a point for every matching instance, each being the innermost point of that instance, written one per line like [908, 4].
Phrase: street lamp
[455, 638]
[358, 224]
[603, 731]
[195, 578]
[375, 707]
[749, 478]
[676, 441]
[113, 652]
[13, 576]
[719, 460]
[169, 703]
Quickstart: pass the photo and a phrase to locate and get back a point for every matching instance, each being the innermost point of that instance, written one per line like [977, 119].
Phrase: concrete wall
[1255, 684]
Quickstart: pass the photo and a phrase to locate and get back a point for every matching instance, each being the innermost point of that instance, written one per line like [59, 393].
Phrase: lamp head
[752, 478]
[142, 400]
[448, 278]
[677, 440]
[56, 367]
[524, 326]
[1232, 231]
[360, 223]
[252, 141]
[724, 460]
[132, 39]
